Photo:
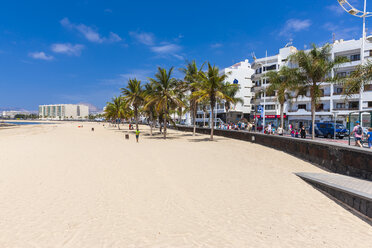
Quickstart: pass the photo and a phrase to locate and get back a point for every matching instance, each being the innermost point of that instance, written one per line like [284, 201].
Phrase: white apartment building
[64, 111]
[240, 74]
[332, 103]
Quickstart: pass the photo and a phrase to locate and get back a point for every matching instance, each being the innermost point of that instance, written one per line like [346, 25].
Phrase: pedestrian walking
[137, 135]
[369, 135]
[358, 134]
[303, 132]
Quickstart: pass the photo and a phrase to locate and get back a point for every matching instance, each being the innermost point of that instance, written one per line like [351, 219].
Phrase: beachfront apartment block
[334, 106]
[64, 112]
[239, 74]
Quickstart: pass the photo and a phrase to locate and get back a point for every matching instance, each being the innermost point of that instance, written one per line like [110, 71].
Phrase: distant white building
[239, 74]
[332, 102]
[64, 111]
[12, 113]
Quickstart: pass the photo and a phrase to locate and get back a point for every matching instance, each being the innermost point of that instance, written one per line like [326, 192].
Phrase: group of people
[233, 126]
[297, 132]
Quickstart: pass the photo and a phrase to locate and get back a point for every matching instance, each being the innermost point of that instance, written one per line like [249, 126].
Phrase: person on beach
[137, 134]
[358, 133]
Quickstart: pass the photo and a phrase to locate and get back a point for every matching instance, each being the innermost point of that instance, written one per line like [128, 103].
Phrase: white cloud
[341, 31]
[88, 32]
[114, 37]
[144, 38]
[121, 79]
[336, 9]
[294, 25]
[40, 55]
[67, 48]
[166, 49]
[216, 45]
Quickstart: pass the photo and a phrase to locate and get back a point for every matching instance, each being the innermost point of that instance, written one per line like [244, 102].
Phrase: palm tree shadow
[201, 140]
[161, 137]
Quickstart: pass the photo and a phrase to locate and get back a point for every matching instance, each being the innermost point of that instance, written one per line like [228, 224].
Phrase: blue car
[327, 130]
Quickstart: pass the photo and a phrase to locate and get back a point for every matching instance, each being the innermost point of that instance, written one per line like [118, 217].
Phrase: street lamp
[361, 14]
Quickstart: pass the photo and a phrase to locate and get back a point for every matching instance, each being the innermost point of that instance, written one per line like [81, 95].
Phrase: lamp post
[361, 14]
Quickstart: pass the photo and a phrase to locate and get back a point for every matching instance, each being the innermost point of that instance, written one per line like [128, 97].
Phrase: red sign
[270, 116]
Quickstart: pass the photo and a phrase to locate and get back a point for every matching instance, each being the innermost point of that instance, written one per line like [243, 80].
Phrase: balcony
[322, 110]
[295, 110]
[368, 87]
[347, 109]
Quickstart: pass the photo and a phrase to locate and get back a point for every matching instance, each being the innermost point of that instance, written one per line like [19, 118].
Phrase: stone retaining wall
[341, 159]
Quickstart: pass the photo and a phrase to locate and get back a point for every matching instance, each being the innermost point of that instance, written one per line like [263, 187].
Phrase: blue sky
[85, 51]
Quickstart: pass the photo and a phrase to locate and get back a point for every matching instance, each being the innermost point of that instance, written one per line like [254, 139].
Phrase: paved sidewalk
[345, 183]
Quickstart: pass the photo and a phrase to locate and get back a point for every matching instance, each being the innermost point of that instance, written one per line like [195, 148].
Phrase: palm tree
[133, 95]
[149, 108]
[231, 91]
[362, 76]
[315, 66]
[164, 95]
[213, 88]
[116, 109]
[192, 77]
[282, 82]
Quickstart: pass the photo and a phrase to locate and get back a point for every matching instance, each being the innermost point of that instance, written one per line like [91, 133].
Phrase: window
[340, 105]
[270, 68]
[369, 104]
[301, 106]
[355, 57]
[353, 105]
[341, 74]
[338, 90]
[259, 71]
[322, 125]
[270, 107]
[320, 107]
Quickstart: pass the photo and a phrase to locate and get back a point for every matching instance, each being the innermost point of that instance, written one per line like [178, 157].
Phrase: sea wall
[340, 159]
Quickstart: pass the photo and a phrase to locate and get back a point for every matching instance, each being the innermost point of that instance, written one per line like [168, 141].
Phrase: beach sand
[64, 186]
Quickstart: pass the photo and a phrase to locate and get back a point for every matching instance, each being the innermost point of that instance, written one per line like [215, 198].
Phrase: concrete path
[356, 193]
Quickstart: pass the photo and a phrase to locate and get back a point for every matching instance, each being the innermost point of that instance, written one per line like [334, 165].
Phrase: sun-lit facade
[64, 111]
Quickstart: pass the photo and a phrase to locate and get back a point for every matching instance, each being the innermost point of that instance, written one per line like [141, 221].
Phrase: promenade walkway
[356, 193]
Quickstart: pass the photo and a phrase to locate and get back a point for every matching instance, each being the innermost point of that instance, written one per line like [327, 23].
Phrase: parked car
[327, 130]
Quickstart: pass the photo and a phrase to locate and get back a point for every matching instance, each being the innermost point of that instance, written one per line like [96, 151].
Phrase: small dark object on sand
[127, 136]
[92, 129]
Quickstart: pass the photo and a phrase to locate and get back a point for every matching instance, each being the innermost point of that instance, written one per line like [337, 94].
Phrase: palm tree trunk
[151, 121]
[203, 118]
[212, 120]
[165, 125]
[194, 121]
[136, 116]
[282, 115]
[118, 125]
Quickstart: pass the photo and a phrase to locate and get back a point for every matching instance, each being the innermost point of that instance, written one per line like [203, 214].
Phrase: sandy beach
[64, 186]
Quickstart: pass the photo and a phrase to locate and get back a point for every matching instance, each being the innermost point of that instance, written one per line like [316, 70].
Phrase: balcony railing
[350, 108]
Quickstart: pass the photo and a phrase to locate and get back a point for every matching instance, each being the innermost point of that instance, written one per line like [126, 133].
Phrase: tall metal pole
[264, 105]
[362, 52]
